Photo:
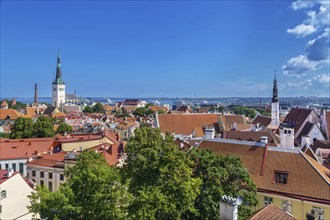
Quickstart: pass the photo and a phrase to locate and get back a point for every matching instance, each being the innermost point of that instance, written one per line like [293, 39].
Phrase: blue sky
[166, 48]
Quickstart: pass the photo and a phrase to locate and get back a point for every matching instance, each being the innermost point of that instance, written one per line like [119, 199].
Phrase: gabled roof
[9, 113]
[306, 179]
[271, 212]
[297, 116]
[13, 102]
[252, 136]
[184, 123]
[4, 103]
[228, 121]
[50, 110]
[131, 102]
[262, 120]
[4, 175]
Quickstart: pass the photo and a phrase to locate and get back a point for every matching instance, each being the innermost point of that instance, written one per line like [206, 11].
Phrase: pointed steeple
[275, 91]
[58, 77]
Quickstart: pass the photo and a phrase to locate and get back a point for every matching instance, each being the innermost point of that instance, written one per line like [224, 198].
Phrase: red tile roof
[24, 148]
[4, 175]
[304, 178]
[252, 136]
[49, 160]
[262, 120]
[271, 212]
[296, 117]
[227, 121]
[11, 113]
[4, 103]
[184, 123]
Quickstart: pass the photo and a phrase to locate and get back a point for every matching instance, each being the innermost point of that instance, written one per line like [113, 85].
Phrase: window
[287, 206]
[21, 167]
[61, 177]
[268, 200]
[50, 175]
[33, 173]
[42, 174]
[41, 183]
[50, 186]
[281, 177]
[3, 194]
[14, 166]
[7, 166]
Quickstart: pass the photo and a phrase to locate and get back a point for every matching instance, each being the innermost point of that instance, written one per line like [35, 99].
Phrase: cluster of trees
[240, 110]
[97, 108]
[142, 111]
[158, 181]
[263, 111]
[43, 127]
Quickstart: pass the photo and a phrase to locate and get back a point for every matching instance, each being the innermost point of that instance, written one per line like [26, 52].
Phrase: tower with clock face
[58, 86]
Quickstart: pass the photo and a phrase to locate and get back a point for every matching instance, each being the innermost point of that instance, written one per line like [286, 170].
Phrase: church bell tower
[275, 120]
[58, 93]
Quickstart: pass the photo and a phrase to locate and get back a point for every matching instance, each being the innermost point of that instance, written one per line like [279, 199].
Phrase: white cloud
[302, 30]
[319, 48]
[300, 4]
[323, 79]
[299, 66]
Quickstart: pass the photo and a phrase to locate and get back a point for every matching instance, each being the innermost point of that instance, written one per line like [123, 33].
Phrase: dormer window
[281, 177]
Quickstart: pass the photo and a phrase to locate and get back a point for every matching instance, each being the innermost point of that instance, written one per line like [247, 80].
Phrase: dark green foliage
[44, 127]
[98, 108]
[159, 177]
[161, 111]
[240, 110]
[263, 112]
[92, 191]
[88, 109]
[221, 175]
[63, 128]
[23, 128]
[142, 111]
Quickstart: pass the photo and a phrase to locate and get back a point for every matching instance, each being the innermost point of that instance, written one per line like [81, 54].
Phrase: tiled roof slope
[306, 129]
[11, 113]
[24, 148]
[252, 136]
[297, 116]
[228, 121]
[262, 120]
[271, 212]
[184, 123]
[304, 180]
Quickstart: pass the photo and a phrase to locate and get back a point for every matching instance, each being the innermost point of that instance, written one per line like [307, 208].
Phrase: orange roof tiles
[24, 148]
[304, 179]
[271, 212]
[49, 160]
[11, 113]
[184, 123]
[4, 103]
[252, 136]
[4, 175]
[262, 120]
[297, 116]
[228, 121]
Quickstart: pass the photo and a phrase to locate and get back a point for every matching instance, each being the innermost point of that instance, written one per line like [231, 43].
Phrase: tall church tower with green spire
[58, 93]
[275, 117]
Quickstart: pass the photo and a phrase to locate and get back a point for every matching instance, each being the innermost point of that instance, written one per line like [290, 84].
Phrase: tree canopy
[160, 179]
[23, 128]
[240, 110]
[88, 109]
[98, 108]
[44, 127]
[142, 111]
[92, 191]
[63, 128]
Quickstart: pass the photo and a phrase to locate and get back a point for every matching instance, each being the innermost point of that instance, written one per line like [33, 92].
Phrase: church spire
[58, 78]
[275, 92]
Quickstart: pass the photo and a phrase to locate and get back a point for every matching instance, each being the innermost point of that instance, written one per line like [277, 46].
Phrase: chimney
[305, 140]
[209, 133]
[264, 140]
[10, 172]
[229, 207]
[36, 93]
[235, 126]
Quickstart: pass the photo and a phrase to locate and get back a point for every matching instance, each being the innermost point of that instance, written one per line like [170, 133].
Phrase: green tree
[44, 127]
[88, 109]
[161, 111]
[23, 128]
[92, 191]
[63, 128]
[221, 175]
[139, 112]
[160, 178]
[98, 108]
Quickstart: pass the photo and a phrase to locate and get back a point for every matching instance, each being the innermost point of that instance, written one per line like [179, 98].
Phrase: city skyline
[170, 49]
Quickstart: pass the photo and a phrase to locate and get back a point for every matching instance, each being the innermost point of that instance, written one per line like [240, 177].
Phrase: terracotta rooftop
[4, 103]
[262, 120]
[49, 160]
[252, 136]
[9, 113]
[227, 121]
[184, 123]
[271, 212]
[306, 179]
[297, 116]
[13, 102]
[24, 148]
[4, 175]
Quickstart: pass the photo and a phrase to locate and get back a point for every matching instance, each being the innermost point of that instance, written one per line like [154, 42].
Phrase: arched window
[3, 194]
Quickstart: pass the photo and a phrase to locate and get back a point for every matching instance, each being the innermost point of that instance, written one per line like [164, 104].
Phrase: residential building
[287, 177]
[14, 192]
